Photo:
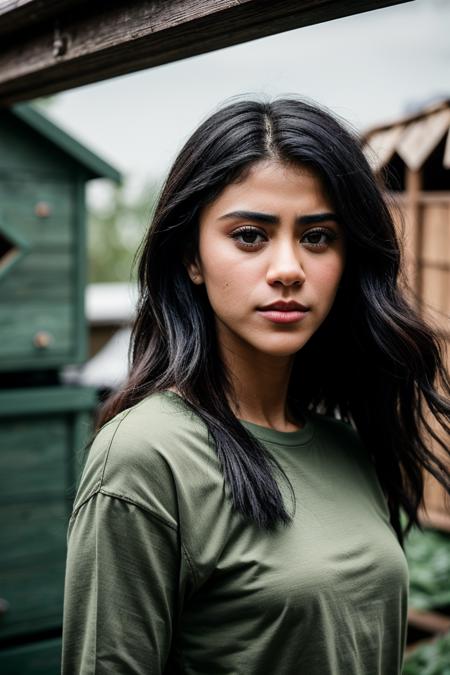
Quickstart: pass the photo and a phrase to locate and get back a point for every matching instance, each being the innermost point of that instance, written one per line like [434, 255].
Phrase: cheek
[228, 276]
[326, 276]
[228, 290]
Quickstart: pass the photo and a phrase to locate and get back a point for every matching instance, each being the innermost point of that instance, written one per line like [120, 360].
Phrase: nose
[285, 266]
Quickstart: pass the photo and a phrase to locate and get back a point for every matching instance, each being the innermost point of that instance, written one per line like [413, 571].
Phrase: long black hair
[373, 362]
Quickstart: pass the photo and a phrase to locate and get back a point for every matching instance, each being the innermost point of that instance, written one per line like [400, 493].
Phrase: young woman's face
[271, 238]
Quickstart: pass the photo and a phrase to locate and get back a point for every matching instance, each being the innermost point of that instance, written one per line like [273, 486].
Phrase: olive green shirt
[164, 576]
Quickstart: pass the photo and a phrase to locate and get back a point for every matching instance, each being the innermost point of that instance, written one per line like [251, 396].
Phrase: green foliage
[115, 232]
[430, 659]
[428, 555]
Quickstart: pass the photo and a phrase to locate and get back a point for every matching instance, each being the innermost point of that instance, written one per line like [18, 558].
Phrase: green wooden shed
[44, 425]
[43, 172]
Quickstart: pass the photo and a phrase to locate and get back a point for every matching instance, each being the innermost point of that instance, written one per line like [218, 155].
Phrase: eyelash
[331, 236]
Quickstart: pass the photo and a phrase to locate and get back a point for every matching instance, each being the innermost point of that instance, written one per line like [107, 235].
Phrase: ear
[194, 270]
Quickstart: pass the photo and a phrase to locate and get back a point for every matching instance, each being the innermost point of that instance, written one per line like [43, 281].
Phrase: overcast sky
[368, 68]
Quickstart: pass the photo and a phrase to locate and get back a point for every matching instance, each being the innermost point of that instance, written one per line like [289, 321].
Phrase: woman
[239, 511]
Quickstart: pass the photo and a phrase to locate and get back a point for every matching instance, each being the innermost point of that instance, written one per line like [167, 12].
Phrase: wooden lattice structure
[411, 156]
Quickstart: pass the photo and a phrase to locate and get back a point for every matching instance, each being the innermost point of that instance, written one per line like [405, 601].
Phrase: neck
[260, 385]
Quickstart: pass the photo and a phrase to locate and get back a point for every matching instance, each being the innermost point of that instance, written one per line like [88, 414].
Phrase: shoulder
[160, 420]
[140, 454]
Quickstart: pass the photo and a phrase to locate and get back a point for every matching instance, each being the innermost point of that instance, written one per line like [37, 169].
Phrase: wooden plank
[406, 230]
[82, 431]
[32, 460]
[79, 271]
[433, 289]
[43, 432]
[435, 197]
[420, 138]
[436, 509]
[23, 330]
[26, 153]
[446, 160]
[71, 154]
[436, 297]
[424, 111]
[380, 146]
[37, 658]
[21, 14]
[32, 565]
[432, 622]
[38, 400]
[95, 41]
[436, 519]
[414, 237]
[22, 202]
[436, 234]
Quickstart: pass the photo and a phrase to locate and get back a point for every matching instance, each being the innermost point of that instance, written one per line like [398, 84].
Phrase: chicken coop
[44, 424]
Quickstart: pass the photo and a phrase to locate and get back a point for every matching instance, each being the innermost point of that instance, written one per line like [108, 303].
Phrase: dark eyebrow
[274, 220]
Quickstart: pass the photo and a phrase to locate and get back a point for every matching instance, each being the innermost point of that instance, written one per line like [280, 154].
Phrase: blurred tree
[115, 231]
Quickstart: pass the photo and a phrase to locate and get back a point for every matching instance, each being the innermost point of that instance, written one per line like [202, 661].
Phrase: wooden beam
[21, 14]
[438, 520]
[413, 189]
[69, 43]
[431, 622]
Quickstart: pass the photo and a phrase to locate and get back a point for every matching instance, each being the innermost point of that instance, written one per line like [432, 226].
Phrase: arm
[121, 590]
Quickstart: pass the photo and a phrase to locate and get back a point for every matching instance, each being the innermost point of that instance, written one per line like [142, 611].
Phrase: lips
[282, 312]
[282, 306]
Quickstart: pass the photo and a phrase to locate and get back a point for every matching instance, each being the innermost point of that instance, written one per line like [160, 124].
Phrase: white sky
[368, 68]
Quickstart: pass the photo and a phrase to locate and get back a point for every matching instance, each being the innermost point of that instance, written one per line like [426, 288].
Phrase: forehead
[272, 186]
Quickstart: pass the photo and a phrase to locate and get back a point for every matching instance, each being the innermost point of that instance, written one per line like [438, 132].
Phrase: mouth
[284, 312]
[282, 306]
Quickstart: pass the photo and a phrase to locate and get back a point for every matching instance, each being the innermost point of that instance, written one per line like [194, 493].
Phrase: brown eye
[319, 238]
[248, 236]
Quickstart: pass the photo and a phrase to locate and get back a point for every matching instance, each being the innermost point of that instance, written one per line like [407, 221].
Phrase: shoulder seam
[98, 489]
[107, 424]
[109, 493]
[91, 494]
[98, 483]
[129, 500]
[110, 444]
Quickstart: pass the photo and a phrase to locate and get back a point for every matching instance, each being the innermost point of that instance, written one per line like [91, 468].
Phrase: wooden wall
[423, 224]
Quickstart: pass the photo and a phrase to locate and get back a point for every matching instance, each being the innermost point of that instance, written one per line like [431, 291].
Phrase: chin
[283, 350]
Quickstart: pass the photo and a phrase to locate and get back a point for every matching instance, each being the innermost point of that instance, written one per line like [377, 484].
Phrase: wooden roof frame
[95, 166]
[412, 137]
[403, 120]
[48, 46]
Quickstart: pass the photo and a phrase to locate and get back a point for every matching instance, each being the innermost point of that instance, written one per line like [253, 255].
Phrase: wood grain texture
[42, 292]
[43, 432]
[18, 15]
[32, 565]
[95, 41]
[33, 458]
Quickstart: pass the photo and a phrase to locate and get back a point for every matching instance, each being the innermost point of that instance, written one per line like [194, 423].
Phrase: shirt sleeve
[121, 589]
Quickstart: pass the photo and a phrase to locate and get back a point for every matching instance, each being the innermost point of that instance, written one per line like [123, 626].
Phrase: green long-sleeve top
[164, 576]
